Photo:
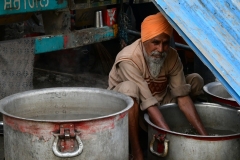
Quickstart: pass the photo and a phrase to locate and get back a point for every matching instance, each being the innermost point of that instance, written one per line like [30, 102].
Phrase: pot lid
[212, 29]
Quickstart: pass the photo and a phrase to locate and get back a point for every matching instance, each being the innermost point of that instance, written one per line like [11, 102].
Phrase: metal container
[1, 127]
[98, 19]
[218, 94]
[182, 142]
[66, 123]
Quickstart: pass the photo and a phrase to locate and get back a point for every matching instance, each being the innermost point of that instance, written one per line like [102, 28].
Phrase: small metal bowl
[218, 94]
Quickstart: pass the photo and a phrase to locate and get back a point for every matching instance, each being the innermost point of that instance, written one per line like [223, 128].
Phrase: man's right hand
[156, 117]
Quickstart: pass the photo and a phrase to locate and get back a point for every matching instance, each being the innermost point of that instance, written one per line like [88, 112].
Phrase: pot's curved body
[66, 123]
[224, 143]
[218, 94]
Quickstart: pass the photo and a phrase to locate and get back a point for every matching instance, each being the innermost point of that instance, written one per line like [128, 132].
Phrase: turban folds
[154, 25]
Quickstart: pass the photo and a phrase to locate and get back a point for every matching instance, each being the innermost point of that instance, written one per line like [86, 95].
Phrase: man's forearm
[156, 117]
[187, 107]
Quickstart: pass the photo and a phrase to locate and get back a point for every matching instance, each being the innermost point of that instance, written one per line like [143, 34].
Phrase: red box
[109, 16]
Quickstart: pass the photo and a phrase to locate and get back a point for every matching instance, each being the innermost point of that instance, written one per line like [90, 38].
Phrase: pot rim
[146, 117]
[214, 84]
[10, 98]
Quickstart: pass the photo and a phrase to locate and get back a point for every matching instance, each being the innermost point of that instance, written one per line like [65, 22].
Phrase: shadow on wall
[97, 58]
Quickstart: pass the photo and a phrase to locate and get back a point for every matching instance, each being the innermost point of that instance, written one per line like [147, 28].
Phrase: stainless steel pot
[222, 123]
[1, 127]
[218, 94]
[66, 123]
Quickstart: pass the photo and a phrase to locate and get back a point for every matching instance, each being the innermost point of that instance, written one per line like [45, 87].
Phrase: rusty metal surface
[107, 144]
[73, 39]
[16, 66]
[88, 36]
[49, 43]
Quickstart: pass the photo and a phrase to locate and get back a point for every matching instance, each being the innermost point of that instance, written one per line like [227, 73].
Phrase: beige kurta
[130, 65]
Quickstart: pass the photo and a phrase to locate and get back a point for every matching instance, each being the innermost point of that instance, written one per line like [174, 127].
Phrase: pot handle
[165, 141]
[67, 155]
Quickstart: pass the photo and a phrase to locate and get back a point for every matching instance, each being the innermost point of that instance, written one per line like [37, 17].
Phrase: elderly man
[151, 72]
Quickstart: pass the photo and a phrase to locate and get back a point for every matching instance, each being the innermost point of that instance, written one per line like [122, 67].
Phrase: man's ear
[144, 46]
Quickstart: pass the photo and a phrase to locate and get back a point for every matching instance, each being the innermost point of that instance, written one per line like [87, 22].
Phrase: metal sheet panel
[77, 38]
[212, 29]
[24, 6]
[48, 43]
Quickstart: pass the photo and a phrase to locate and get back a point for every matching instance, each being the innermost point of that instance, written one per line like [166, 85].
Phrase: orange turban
[154, 25]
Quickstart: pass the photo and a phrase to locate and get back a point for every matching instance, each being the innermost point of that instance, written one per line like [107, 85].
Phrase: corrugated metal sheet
[212, 29]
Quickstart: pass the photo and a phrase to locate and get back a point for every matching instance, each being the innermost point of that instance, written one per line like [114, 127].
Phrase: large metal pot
[218, 94]
[181, 143]
[66, 123]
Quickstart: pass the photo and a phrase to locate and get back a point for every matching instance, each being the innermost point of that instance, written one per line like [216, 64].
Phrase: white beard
[155, 64]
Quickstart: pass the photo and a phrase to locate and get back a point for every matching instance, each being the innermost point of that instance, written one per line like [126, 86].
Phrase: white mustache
[155, 53]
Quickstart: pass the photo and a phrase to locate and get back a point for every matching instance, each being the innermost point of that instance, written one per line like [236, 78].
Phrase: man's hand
[187, 107]
[156, 117]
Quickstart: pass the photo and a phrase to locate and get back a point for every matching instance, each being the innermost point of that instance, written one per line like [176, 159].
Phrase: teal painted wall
[23, 6]
[49, 44]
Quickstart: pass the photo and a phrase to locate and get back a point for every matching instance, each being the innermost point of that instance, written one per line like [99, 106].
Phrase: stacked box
[109, 16]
